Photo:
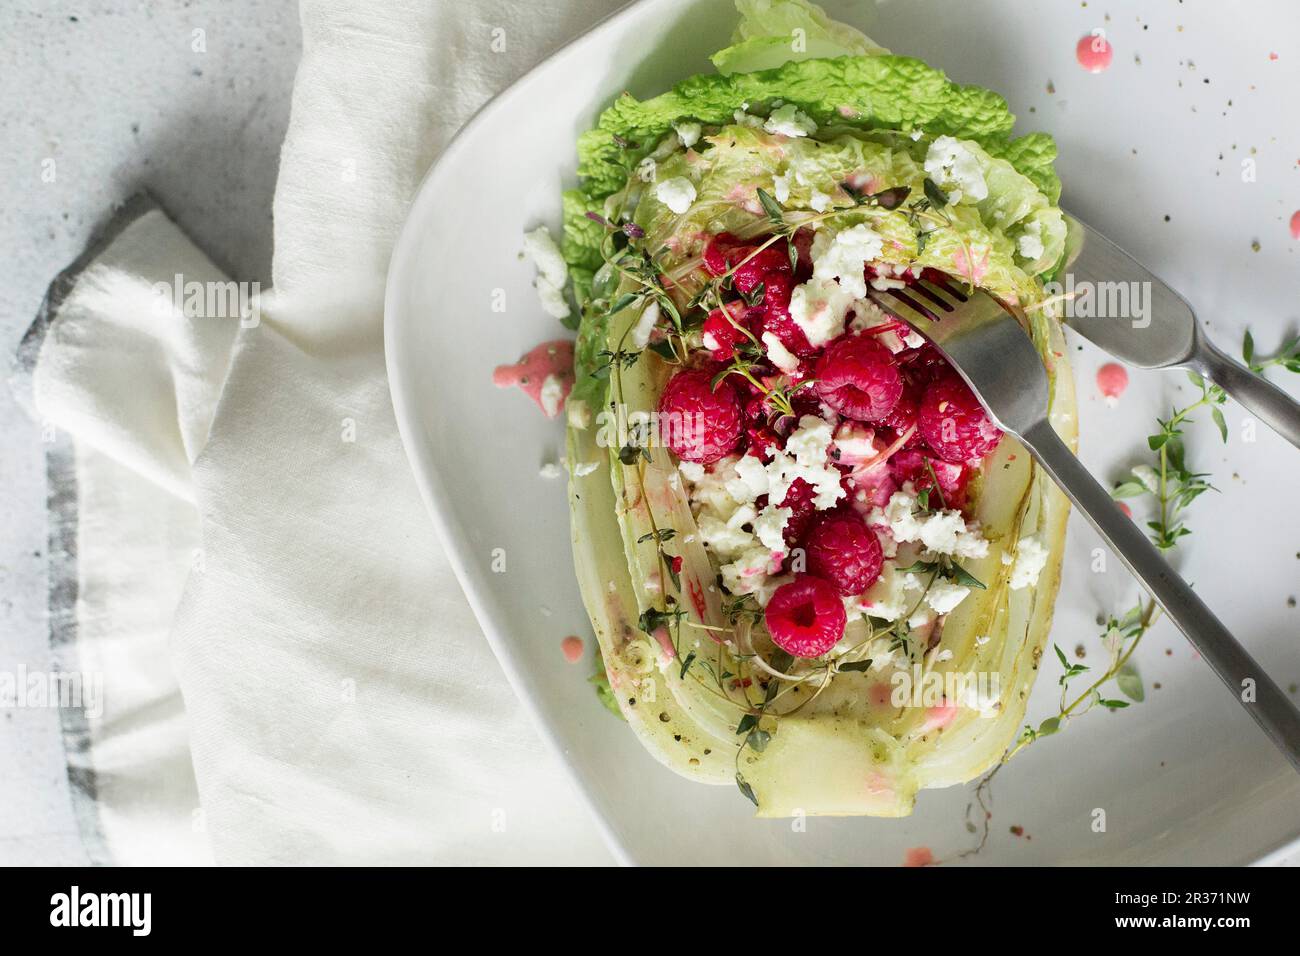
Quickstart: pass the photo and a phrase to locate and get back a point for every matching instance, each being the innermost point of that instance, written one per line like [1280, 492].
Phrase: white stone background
[115, 94]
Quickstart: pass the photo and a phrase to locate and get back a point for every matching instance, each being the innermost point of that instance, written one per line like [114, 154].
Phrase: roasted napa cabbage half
[803, 736]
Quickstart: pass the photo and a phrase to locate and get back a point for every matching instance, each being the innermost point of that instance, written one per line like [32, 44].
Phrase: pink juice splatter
[1295, 224]
[571, 648]
[545, 375]
[918, 856]
[1112, 379]
[940, 716]
[1094, 52]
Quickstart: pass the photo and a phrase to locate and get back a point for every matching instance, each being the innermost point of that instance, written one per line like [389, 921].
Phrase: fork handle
[1255, 393]
[1270, 708]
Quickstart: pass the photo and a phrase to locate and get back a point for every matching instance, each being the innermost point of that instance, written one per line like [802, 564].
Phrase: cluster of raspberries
[919, 412]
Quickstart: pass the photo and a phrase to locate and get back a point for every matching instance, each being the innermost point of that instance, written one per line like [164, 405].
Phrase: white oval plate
[1182, 778]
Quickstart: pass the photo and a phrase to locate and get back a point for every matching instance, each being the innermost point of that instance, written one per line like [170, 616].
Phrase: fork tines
[922, 301]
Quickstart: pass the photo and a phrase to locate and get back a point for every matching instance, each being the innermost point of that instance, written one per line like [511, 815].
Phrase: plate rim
[453, 541]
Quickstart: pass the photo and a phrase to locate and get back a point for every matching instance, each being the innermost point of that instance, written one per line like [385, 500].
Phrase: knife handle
[1255, 393]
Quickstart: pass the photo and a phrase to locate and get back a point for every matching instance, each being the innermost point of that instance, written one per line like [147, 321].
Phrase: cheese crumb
[781, 357]
[552, 272]
[949, 161]
[688, 133]
[790, 121]
[677, 193]
[1031, 558]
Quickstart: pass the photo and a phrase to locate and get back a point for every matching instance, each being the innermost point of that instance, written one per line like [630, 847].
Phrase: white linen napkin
[342, 703]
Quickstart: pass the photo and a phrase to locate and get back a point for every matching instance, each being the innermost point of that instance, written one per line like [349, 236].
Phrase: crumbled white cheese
[1031, 558]
[921, 618]
[584, 468]
[868, 315]
[943, 532]
[855, 443]
[709, 487]
[545, 255]
[749, 573]
[781, 356]
[805, 456]
[551, 395]
[769, 527]
[645, 325]
[745, 119]
[688, 133]
[751, 480]
[790, 121]
[692, 471]
[552, 298]
[1030, 244]
[677, 193]
[949, 161]
[751, 544]
[728, 538]
[552, 272]
[944, 595]
[646, 169]
[781, 187]
[844, 256]
[819, 307]
[892, 595]
[819, 201]
[550, 470]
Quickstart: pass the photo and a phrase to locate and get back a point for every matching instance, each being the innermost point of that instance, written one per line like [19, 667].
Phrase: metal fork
[986, 345]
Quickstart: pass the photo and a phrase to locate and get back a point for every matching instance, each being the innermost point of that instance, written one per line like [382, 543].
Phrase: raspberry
[720, 334]
[903, 415]
[844, 551]
[857, 377]
[763, 441]
[953, 422]
[923, 364]
[776, 314]
[915, 466]
[716, 252]
[806, 617]
[799, 499]
[773, 260]
[698, 422]
[725, 251]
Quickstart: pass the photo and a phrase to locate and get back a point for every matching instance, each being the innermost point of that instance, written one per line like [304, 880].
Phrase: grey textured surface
[188, 100]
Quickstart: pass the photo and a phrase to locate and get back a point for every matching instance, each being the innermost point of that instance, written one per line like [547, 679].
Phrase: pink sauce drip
[968, 268]
[1112, 379]
[918, 856]
[940, 716]
[1295, 224]
[571, 647]
[1094, 53]
[1128, 512]
[530, 373]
